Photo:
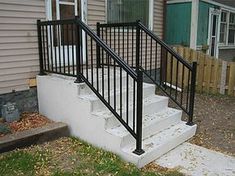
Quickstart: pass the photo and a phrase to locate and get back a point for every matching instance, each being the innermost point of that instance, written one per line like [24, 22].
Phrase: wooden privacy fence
[213, 75]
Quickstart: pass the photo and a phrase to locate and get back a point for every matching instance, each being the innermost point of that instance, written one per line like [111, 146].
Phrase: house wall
[203, 22]
[178, 23]
[227, 54]
[18, 42]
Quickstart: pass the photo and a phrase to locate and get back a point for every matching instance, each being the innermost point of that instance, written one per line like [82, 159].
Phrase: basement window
[124, 11]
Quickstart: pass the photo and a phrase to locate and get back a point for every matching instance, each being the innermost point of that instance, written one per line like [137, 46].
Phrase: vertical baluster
[47, 48]
[176, 84]
[72, 42]
[127, 43]
[156, 60]
[55, 44]
[44, 49]
[132, 46]
[151, 50]
[188, 87]
[68, 55]
[92, 79]
[114, 69]
[59, 47]
[63, 43]
[123, 42]
[182, 86]
[86, 41]
[134, 104]
[171, 74]
[146, 52]
[51, 49]
[102, 65]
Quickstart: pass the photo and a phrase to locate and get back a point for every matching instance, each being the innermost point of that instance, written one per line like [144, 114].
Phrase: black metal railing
[141, 48]
[70, 47]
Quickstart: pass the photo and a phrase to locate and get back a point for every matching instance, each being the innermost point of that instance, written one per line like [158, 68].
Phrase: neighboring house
[19, 63]
[207, 25]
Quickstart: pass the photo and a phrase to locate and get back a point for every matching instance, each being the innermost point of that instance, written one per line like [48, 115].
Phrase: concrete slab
[198, 161]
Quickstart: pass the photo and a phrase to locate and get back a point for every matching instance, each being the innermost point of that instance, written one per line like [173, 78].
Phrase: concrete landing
[198, 161]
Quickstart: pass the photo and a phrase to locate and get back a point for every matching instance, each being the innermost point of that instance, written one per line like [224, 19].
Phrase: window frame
[151, 13]
[226, 44]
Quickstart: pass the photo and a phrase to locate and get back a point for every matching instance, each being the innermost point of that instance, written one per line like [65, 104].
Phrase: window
[227, 28]
[223, 28]
[231, 33]
[121, 11]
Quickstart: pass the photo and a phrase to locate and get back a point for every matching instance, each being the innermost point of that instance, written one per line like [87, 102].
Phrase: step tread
[147, 120]
[93, 97]
[146, 101]
[157, 140]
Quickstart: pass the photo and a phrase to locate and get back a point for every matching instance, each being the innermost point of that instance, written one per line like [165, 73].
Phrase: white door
[213, 32]
[65, 39]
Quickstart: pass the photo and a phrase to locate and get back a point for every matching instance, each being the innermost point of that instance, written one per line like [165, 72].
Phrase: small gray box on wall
[10, 112]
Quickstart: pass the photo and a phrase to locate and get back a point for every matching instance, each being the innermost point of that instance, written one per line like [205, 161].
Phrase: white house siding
[18, 42]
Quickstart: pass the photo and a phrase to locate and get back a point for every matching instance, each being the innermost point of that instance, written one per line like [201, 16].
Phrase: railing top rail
[169, 49]
[57, 22]
[117, 24]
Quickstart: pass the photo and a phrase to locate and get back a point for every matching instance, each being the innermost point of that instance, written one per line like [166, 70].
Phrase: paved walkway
[198, 161]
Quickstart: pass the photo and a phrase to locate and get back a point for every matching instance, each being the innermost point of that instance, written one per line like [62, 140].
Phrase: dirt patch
[215, 117]
[27, 121]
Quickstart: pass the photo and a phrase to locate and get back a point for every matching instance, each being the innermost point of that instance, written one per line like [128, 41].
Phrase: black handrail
[148, 51]
[61, 51]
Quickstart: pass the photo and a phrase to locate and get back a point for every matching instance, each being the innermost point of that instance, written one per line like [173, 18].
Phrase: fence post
[139, 108]
[41, 72]
[78, 50]
[192, 94]
[97, 45]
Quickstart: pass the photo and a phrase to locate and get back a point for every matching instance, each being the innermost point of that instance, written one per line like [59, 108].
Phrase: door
[62, 40]
[213, 32]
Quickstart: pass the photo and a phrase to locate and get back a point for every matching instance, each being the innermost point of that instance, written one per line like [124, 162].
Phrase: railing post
[97, 45]
[192, 94]
[78, 50]
[137, 45]
[41, 72]
[139, 149]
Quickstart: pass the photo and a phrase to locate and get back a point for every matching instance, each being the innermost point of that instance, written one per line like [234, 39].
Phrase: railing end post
[138, 151]
[190, 123]
[41, 71]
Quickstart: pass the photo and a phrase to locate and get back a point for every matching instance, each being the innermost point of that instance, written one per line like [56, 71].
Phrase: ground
[215, 118]
[69, 156]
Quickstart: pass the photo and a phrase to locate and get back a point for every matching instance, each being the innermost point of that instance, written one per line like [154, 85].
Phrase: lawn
[70, 156]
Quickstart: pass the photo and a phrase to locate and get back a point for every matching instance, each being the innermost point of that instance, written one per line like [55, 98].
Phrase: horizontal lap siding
[18, 42]
[97, 13]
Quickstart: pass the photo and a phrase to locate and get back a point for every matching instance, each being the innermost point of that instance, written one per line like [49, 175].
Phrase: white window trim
[151, 13]
[227, 45]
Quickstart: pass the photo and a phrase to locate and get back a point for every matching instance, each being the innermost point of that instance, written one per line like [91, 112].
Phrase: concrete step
[159, 144]
[152, 124]
[148, 90]
[151, 105]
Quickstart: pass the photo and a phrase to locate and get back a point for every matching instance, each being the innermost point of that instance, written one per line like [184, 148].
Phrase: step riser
[154, 127]
[98, 105]
[156, 107]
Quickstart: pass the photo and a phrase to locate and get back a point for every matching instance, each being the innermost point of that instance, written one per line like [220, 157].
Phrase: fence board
[213, 75]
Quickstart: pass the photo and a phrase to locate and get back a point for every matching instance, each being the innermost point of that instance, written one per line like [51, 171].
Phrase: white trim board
[207, 1]
[194, 24]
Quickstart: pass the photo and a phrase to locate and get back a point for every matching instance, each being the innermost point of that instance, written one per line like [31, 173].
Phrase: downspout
[194, 24]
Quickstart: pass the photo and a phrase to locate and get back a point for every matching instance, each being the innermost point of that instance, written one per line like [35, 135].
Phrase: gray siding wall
[227, 54]
[18, 42]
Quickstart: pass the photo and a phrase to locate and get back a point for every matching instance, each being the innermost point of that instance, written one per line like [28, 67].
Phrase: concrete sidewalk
[198, 161]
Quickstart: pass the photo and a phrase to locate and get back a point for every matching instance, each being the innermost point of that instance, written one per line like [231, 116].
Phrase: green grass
[70, 157]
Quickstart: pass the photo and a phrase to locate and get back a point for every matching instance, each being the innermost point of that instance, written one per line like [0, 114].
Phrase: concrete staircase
[75, 104]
